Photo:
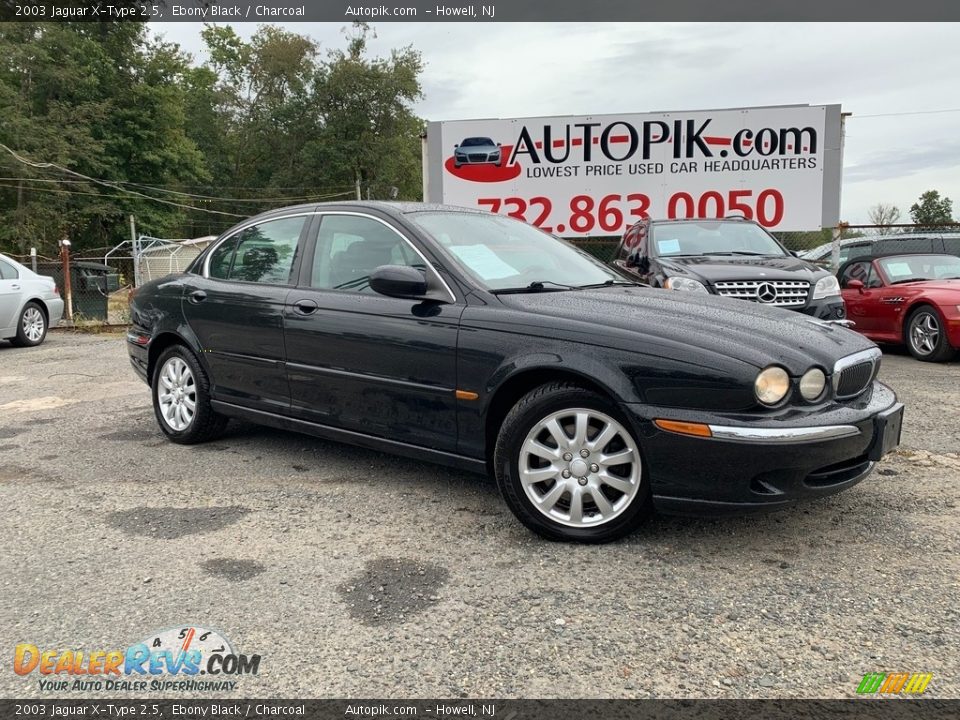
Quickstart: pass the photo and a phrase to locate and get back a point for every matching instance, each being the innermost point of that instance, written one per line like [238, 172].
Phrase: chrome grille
[854, 373]
[781, 293]
[477, 157]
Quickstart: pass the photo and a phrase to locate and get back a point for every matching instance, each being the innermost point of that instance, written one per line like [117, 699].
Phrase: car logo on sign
[766, 293]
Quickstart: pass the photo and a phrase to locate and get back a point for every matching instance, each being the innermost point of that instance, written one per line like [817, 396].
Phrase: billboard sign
[597, 175]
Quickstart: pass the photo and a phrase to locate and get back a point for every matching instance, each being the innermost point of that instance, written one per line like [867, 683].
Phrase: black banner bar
[855, 709]
[278, 11]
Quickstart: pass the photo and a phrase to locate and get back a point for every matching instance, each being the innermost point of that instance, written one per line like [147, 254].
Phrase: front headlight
[684, 284]
[772, 385]
[812, 384]
[826, 287]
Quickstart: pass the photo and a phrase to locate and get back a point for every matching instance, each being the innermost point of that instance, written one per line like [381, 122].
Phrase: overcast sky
[521, 69]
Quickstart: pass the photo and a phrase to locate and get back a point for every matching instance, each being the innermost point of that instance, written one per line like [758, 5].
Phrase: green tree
[100, 100]
[369, 132]
[932, 209]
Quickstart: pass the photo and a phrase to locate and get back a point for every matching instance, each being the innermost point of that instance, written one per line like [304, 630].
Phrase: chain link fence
[101, 278]
[98, 291]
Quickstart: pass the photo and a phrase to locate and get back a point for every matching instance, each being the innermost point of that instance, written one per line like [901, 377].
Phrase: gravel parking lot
[356, 574]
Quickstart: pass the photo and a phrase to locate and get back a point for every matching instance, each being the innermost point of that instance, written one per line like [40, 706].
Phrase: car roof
[734, 218]
[389, 207]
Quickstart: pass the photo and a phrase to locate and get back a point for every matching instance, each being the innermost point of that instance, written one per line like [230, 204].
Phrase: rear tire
[569, 466]
[181, 398]
[926, 336]
[31, 326]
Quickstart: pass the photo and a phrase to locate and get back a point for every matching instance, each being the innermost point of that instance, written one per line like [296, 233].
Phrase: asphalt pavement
[357, 574]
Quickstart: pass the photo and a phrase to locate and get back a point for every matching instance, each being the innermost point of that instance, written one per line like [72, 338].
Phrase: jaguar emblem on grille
[766, 292]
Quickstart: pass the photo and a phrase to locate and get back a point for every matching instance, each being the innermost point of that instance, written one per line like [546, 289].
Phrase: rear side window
[910, 245]
[852, 251]
[8, 271]
[262, 253]
[951, 245]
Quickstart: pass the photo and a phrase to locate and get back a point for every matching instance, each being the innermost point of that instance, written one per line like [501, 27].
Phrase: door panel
[240, 329]
[364, 362]
[376, 365]
[237, 312]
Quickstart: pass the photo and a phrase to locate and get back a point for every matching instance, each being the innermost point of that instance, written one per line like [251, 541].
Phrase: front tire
[569, 467]
[181, 398]
[31, 326]
[926, 335]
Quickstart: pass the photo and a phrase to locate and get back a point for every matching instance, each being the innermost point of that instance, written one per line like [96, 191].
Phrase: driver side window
[350, 247]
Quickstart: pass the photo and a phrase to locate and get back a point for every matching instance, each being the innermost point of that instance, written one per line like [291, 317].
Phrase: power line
[112, 185]
[319, 195]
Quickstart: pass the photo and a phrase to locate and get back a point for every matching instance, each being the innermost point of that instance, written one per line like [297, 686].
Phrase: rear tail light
[56, 290]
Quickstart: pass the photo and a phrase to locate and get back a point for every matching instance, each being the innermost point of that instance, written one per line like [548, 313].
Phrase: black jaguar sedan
[474, 340]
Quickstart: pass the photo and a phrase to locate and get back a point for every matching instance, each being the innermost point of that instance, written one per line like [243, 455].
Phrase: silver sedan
[29, 304]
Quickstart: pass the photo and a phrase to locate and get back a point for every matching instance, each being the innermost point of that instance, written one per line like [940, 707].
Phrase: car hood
[666, 322]
[719, 268]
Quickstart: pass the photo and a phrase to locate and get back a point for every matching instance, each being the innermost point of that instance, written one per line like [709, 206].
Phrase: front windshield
[476, 142]
[713, 237]
[910, 268]
[502, 253]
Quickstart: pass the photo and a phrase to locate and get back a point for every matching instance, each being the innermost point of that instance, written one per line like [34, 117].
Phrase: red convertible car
[912, 299]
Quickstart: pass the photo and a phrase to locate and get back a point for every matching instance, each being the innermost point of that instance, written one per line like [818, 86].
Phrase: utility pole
[135, 252]
[838, 231]
[67, 288]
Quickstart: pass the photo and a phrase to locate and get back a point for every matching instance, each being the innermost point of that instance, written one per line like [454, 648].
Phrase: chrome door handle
[305, 307]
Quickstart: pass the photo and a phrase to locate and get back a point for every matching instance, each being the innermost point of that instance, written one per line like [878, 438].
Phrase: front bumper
[831, 308]
[756, 461]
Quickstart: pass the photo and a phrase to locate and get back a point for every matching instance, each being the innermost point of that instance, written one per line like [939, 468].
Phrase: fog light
[812, 384]
[772, 385]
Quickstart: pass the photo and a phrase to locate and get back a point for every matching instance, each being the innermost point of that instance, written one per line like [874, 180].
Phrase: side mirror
[399, 281]
[456, 145]
[499, 145]
[855, 285]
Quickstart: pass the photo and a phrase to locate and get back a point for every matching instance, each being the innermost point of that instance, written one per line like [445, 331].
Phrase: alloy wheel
[580, 467]
[33, 324]
[924, 333]
[177, 394]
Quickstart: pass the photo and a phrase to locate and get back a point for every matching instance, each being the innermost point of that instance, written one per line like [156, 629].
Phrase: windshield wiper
[610, 283]
[900, 282]
[535, 286]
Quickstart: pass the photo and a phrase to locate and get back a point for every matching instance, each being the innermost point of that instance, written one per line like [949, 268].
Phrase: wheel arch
[522, 381]
[915, 304]
[43, 306]
[161, 342]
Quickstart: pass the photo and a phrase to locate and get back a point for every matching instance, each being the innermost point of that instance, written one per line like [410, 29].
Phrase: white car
[29, 304]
